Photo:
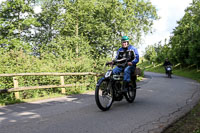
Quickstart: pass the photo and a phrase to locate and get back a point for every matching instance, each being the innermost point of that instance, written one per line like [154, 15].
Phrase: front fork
[109, 85]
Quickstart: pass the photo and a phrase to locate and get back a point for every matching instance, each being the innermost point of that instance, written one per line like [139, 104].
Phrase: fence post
[83, 82]
[16, 86]
[62, 81]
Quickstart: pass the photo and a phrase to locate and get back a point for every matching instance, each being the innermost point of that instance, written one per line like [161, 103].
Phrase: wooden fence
[62, 85]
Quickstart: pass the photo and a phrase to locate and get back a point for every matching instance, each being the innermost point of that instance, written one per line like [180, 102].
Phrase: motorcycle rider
[166, 63]
[131, 56]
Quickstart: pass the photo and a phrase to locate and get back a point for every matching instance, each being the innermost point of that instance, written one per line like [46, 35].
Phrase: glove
[109, 63]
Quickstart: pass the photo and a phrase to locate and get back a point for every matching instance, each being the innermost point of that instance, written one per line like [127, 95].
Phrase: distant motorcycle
[109, 89]
[169, 71]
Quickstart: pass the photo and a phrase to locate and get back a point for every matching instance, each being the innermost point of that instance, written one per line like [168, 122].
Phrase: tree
[150, 54]
[82, 26]
[103, 22]
[183, 45]
[46, 32]
[185, 41]
[16, 21]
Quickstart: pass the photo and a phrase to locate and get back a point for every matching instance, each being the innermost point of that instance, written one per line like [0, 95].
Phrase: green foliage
[93, 26]
[189, 72]
[16, 20]
[98, 25]
[150, 53]
[20, 62]
[8, 99]
[66, 36]
[183, 46]
[196, 131]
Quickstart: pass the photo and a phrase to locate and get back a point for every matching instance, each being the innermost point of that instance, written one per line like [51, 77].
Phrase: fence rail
[44, 87]
[62, 85]
[47, 74]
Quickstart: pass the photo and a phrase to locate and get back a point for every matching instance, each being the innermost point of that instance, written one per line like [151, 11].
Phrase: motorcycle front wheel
[131, 94]
[169, 74]
[104, 95]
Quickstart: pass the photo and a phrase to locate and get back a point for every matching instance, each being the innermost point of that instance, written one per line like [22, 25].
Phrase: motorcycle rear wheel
[169, 74]
[131, 94]
[103, 95]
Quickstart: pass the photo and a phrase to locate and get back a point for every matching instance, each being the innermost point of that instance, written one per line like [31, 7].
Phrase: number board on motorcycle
[168, 68]
[108, 73]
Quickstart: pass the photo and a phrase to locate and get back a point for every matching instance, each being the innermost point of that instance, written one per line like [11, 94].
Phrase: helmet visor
[124, 40]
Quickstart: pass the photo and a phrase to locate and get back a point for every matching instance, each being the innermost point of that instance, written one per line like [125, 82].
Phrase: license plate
[108, 73]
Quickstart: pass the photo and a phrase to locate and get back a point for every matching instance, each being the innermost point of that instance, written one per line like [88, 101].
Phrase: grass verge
[35, 95]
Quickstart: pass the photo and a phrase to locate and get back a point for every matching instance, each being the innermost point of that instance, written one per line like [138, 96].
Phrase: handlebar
[114, 62]
[121, 60]
[118, 62]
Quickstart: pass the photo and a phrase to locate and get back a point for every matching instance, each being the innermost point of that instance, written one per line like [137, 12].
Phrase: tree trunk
[77, 47]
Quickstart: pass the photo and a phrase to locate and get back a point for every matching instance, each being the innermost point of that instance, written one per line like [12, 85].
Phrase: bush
[21, 62]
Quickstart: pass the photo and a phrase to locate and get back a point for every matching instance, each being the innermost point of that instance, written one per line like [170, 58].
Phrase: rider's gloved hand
[109, 63]
[130, 63]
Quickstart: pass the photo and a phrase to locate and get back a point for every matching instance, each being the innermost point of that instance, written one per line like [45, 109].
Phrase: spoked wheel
[104, 95]
[130, 95]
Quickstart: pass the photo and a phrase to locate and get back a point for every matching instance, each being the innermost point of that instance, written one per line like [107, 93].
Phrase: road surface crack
[158, 125]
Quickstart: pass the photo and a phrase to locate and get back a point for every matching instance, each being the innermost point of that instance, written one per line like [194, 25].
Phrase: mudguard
[100, 80]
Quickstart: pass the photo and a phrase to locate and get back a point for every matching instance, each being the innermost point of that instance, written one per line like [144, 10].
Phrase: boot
[125, 86]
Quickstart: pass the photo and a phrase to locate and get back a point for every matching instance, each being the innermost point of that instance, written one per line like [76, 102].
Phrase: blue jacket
[131, 53]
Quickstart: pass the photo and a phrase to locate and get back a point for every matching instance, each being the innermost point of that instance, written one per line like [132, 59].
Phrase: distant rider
[131, 56]
[167, 63]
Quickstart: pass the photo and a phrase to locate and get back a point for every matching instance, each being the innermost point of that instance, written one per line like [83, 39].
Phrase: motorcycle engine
[118, 96]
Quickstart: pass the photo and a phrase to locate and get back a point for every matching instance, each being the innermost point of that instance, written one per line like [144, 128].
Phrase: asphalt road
[159, 102]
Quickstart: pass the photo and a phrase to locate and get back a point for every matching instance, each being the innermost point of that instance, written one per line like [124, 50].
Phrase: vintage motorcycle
[169, 71]
[109, 89]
